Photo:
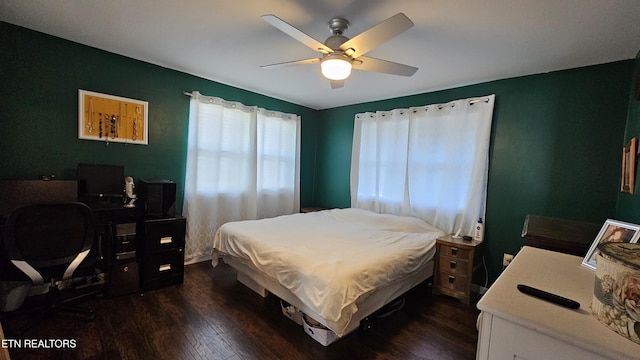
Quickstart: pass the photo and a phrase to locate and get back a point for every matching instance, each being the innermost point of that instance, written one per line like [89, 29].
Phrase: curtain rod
[478, 100]
[470, 102]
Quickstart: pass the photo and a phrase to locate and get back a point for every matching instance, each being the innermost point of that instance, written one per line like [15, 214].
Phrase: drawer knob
[452, 264]
[165, 267]
[454, 251]
[166, 240]
[452, 279]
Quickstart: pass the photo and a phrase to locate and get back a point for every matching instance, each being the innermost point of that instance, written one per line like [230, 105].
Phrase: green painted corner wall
[41, 75]
[629, 204]
[555, 148]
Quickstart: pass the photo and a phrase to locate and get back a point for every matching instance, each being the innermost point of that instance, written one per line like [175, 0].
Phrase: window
[429, 162]
[242, 164]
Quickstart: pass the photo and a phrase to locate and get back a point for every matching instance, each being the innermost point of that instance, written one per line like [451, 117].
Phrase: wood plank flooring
[211, 316]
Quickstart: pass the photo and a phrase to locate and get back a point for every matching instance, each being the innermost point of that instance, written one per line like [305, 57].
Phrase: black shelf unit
[161, 249]
[115, 247]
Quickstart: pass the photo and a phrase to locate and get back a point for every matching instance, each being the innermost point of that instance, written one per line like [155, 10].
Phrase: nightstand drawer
[455, 252]
[457, 283]
[453, 265]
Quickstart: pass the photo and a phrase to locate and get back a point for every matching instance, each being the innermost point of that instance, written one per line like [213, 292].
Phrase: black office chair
[48, 243]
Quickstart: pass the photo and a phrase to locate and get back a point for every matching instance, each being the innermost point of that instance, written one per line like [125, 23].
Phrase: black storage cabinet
[162, 252]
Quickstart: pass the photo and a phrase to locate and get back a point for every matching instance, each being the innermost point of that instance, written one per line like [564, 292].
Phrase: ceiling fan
[340, 54]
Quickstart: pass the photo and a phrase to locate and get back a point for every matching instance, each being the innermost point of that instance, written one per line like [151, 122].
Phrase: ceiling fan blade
[290, 63]
[296, 34]
[383, 66]
[377, 35]
[336, 84]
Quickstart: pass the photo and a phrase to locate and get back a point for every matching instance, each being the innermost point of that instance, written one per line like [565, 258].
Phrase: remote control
[556, 299]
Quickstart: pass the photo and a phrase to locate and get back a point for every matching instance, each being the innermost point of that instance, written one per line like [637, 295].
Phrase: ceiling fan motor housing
[334, 41]
[338, 25]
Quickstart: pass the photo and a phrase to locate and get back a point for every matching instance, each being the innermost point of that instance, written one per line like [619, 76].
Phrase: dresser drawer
[455, 252]
[164, 234]
[449, 281]
[453, 265]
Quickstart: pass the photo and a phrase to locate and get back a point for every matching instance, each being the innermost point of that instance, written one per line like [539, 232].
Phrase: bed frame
[263, 285]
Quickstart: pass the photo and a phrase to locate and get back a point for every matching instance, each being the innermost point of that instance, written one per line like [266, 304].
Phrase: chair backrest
[49, 241]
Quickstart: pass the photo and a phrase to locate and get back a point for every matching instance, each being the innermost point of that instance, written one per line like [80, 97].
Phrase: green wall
[555, 144]
[40, 77]
[629, 204]
[555, 148]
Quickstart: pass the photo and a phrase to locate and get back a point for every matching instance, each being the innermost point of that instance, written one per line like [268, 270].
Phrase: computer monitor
[100, 183]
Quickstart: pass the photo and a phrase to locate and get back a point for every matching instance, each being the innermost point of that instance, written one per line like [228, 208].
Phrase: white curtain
[430, 162]
[243, 163]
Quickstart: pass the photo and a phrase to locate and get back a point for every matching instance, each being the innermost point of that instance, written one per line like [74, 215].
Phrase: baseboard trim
[198, 259]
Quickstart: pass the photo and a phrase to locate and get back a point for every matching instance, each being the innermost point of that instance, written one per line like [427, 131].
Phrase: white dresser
[513, 325]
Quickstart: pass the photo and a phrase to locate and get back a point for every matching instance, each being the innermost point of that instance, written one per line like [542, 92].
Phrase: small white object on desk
[131, 197]
[479, 231]
[516, 325]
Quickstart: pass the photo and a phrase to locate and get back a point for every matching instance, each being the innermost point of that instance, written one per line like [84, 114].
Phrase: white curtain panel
[430, 162]
[243, 163]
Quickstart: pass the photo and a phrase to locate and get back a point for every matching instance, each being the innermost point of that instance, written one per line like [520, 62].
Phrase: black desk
[107, 217]
[15, 193]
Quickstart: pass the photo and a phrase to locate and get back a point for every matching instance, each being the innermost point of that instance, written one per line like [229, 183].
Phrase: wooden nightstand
[456, 261]
[311, 209]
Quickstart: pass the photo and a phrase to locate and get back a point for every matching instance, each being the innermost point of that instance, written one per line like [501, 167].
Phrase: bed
[336, 266]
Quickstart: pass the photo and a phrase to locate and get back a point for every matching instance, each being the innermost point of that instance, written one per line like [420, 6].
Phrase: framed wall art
[611, 231]
[112, 118]
[627, 183]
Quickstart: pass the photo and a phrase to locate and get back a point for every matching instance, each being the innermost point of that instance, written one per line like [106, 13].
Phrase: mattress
[333, 259]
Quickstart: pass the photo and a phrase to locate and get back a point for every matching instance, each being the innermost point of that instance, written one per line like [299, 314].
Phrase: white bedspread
[330, 259]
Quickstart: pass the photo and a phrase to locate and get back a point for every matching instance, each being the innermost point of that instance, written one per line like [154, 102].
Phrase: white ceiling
[453, 42]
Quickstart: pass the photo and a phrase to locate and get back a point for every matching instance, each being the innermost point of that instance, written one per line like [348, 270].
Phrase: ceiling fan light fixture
[336, 67]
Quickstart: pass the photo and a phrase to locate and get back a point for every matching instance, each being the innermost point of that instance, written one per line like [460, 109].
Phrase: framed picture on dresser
[611, 231]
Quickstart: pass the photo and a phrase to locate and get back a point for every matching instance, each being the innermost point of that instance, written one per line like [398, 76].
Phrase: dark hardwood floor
[211, 316]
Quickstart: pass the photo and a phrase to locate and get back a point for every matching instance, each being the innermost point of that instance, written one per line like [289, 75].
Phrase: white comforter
[332, 258]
